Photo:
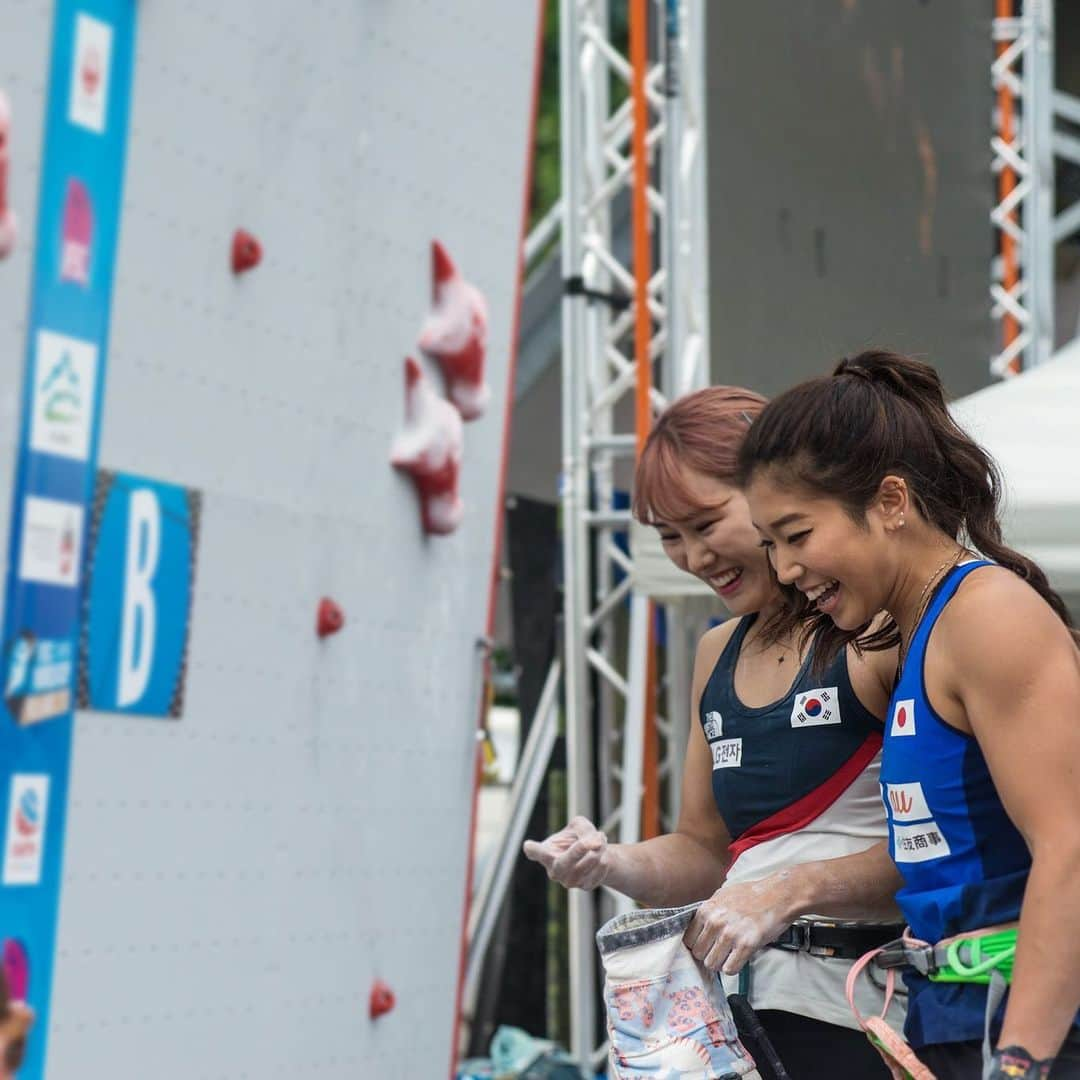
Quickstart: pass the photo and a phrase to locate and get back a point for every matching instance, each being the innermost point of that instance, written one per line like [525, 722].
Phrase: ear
[893, 502]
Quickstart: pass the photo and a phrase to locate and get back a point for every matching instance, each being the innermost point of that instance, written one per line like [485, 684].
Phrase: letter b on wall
[140, 581]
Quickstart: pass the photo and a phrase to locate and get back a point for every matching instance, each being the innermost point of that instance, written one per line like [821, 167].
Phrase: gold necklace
[924, 602]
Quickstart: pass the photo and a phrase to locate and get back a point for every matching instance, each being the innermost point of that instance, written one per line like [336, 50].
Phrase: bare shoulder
[997, 621]
[872, 673]
[711, 645]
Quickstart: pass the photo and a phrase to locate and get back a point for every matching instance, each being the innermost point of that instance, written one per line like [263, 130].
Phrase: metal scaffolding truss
[607, 696]
[603, 677]
[1023, 144]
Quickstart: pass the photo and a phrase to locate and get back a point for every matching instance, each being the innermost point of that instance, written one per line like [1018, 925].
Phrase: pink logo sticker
[77, 234]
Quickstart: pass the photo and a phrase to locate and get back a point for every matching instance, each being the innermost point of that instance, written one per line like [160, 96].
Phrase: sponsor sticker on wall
[140, 588]
[24, 838]
[65, 375]
[91, 63]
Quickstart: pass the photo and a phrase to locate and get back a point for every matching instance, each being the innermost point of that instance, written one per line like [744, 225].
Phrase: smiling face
[716, 541]
[842, 566]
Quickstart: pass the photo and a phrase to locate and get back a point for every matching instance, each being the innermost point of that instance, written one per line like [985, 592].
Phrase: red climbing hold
[429, 447]
[382, 1000]
[7, 217]
[330, 618]
[246, 251]
[454, 334]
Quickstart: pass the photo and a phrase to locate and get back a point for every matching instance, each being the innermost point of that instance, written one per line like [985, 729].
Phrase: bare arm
[743, 918]
[679, 868]
[1020, 693]
[690, 863]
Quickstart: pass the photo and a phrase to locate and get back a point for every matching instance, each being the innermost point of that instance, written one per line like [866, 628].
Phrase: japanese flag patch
[816, 707]
[903, 718]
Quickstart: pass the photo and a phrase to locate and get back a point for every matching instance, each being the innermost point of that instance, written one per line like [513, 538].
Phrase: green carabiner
[989, 953]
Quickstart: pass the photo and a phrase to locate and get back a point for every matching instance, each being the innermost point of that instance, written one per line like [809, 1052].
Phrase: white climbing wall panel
[236, 879]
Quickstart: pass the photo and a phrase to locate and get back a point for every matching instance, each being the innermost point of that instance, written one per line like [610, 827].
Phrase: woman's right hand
[576, 856]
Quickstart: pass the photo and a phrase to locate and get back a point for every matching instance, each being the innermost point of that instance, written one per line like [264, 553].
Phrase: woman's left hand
[738, 920]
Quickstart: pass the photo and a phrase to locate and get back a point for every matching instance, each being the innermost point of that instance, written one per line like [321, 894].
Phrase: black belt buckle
[816, 948]
[847, 941]
[800, 937]
[793, 939]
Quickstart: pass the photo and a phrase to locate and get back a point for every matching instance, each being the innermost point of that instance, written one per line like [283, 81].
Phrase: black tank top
[777, 767]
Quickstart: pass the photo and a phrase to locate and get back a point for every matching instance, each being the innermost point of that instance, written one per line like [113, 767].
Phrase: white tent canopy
[1031, 425]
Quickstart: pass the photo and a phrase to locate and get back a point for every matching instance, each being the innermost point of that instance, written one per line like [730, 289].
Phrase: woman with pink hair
[781, 830]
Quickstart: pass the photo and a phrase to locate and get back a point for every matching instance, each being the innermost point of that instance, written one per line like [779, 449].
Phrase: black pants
[813, 1049]
[963, 1060]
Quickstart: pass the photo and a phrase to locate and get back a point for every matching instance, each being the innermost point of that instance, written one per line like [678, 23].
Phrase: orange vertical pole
[1006, 183]
[639, 60]
[496, 551]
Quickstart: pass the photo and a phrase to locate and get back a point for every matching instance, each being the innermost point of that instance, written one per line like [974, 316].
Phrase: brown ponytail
[882, 413]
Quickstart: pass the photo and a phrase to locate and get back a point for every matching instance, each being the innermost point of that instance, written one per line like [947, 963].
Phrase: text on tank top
[779, 766]
[963, 862]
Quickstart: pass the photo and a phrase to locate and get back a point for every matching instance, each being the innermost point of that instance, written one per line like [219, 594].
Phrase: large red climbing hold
[246, 252]
[330, 618]
[454, 334]
[429, 447]
[7, 215]
[382, 1000]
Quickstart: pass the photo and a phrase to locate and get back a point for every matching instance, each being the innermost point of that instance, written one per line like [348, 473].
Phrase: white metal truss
[1022, 285]
[604, 657]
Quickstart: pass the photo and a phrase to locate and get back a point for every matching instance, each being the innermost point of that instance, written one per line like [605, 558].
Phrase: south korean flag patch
[816, 707]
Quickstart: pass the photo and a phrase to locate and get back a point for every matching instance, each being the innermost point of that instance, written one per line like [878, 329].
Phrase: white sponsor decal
[51, 545]
[65, 373]
[903, 718]
[88, 102]
[918, 843]
[24, 845]
[714, 725]
[816, 707]
[906, 802]
[727, 754]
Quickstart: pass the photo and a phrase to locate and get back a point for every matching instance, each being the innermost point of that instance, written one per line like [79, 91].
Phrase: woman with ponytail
[780, 813]
[869, 498]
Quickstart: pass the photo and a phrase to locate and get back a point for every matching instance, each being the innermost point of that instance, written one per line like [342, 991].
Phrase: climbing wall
[236, 879]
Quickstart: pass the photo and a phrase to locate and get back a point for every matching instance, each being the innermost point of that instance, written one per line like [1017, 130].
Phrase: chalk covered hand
[737, 921]
[576, 856]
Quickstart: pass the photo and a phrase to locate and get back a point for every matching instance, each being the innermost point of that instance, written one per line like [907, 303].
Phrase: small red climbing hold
[382, 1000]
[246, 251]
[330, 618]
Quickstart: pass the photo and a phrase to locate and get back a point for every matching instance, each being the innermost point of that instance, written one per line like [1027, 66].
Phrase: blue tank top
[963, 861]
[778, 767]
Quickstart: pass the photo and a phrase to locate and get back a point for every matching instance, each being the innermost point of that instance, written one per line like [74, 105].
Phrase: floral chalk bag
[667, 1016]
